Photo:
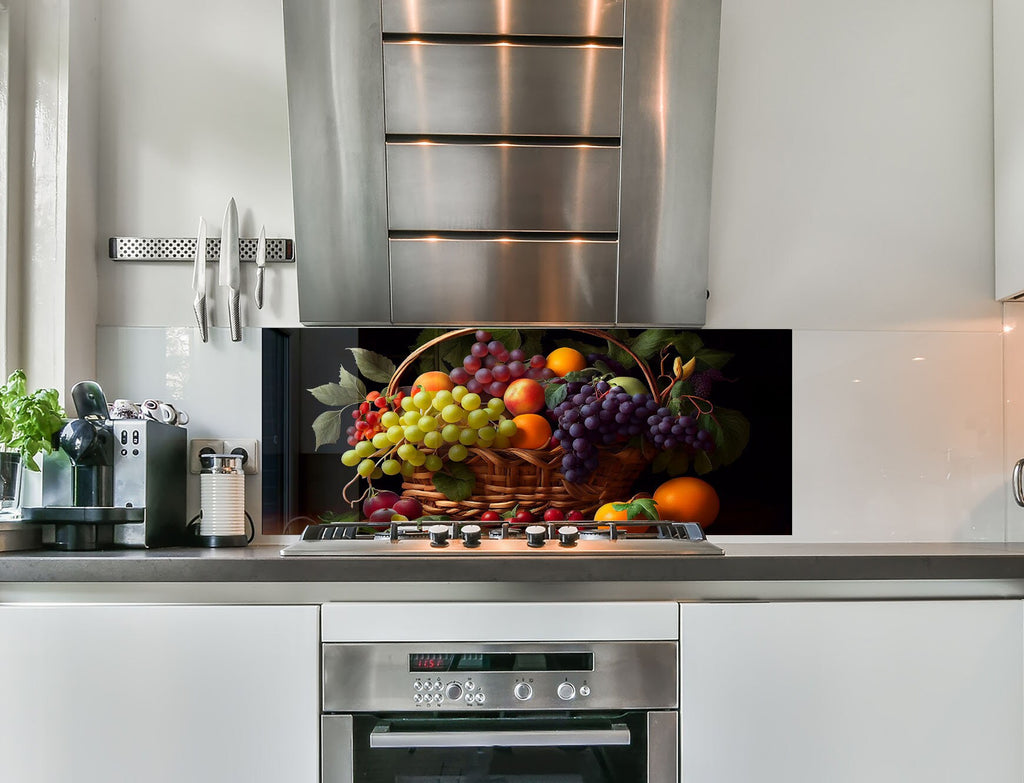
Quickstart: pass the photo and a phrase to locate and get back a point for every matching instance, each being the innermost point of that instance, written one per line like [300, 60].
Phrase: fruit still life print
[489, 424]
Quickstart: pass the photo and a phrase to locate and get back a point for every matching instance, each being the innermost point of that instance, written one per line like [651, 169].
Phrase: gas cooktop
[454, 539]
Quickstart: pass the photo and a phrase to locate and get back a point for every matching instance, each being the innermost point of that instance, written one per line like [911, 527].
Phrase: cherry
[553, 515]
[574, 516]
[490, 516]
[523, 517]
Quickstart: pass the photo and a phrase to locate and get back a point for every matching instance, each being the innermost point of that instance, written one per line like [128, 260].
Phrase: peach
[433, 381]
[524, 396]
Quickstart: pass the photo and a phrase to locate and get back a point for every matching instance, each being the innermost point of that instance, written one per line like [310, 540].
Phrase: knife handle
[235, 316]
[258, 293]
[199, 305]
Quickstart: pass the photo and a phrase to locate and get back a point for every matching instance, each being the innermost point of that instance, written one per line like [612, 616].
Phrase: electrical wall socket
[251, 447]
[197, 446]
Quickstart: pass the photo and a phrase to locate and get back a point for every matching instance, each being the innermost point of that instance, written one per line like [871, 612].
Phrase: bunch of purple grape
[491, 367]
[597, 415]
[668, 431]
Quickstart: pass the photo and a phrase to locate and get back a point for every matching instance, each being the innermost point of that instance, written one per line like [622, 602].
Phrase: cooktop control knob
[453, 691]
[568, 535]
[566, 691]
[471, 535]
[535, 535]
[438, 535]
[523, 691]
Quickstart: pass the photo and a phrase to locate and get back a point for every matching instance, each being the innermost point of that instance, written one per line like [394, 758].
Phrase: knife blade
[229, 274]
[199, 282]
[261, 262]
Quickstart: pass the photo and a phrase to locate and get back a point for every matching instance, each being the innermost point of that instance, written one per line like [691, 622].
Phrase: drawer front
[592, 18]
[503, 281]
[502, 187]
[502, 89]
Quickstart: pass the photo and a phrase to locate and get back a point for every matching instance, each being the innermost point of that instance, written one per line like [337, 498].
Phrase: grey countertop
[741, 563]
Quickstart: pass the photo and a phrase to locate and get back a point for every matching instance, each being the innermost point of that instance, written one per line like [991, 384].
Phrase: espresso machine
[114, 482]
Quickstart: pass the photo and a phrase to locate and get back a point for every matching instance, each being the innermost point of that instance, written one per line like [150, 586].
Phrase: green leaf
[351, 384]
[650, 341]
[581, 376]
[675, 405]
[28, 421]
[334, 395]
[454, 351]
[661, 461]
[702, 463]
[331, 518]
[679, 464]
[372, 365]
[731, 432]
[327, 428]
[554, 394]
[580, 345]
[510, 338]
[456, 482]
[713, 358]
[532, 344]
[687, 344]
[640, 508]
[602, 368]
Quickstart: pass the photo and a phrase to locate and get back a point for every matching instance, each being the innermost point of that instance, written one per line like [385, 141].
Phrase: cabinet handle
[1018, 487]
[383, 737]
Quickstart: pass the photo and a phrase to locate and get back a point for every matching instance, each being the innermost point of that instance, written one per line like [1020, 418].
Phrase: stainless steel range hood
[502, 161]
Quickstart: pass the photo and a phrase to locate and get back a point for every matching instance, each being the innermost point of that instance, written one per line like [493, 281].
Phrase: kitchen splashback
[303, 483]
[465, 161]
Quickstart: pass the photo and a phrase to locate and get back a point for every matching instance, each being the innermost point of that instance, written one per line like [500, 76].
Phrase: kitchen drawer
[502, 89]
[503, 281]
[592, 18]
[502, 187]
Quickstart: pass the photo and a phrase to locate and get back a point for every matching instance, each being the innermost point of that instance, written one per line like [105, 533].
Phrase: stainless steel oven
[518, 712]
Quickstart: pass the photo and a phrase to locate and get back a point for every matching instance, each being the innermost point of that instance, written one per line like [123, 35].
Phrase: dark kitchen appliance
[112, 482]
[555, 710]
[461, 539]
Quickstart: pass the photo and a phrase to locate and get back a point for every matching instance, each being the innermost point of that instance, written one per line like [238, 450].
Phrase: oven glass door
[534, 748]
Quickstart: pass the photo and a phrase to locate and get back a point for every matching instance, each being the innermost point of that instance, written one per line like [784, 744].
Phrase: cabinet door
[884, 692]
[203, 694]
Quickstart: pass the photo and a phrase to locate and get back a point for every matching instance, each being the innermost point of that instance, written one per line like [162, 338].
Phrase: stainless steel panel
[336, 749]
[376, 677]
[669, 92]
[502, 187]
[512, 281]
[615, 734]
[593, 18]
[662, 747]
[336, 129]
[502, 89]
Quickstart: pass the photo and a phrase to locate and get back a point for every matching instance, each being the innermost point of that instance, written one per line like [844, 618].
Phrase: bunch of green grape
[433, 426]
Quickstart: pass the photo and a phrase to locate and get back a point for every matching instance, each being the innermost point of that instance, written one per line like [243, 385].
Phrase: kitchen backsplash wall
[852, 204]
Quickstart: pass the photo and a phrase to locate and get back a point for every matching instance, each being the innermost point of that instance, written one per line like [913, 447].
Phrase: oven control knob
[471, 535]
[584, 690]
[523, 691]
[568, 535]
[453, 691]
[438, 535]
[566, 691]
[535, 535]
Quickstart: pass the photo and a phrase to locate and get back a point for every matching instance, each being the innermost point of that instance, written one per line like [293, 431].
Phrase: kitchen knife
[199, 282]
[229, 276]
[261, 262]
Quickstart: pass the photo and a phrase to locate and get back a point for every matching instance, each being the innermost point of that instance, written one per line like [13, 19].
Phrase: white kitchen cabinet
[1008, 149]
[850, 692]
[158, 693]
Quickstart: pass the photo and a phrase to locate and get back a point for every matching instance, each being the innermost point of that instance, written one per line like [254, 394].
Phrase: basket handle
[652, 382]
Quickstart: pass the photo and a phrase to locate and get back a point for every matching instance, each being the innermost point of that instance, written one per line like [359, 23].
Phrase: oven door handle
[383, 737]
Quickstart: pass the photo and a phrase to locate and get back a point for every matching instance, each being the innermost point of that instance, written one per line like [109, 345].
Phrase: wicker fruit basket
[528, 478]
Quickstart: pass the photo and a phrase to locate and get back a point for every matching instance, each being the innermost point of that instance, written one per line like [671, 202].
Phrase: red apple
[382, 515]
[384, 499]
[409, 508]
[524, 396]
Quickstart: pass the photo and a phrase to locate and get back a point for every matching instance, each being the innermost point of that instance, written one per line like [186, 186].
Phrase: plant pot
[11, 469]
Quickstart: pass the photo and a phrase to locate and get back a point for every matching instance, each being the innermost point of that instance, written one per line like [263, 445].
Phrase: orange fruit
[566, 360]
[532, 431]
[432, 381]
[687, 499]
[608, 513]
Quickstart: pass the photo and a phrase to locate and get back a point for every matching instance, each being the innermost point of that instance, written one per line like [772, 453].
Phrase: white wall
[852, 203]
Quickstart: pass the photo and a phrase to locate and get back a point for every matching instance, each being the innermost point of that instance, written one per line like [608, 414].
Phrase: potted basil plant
[28, 423]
